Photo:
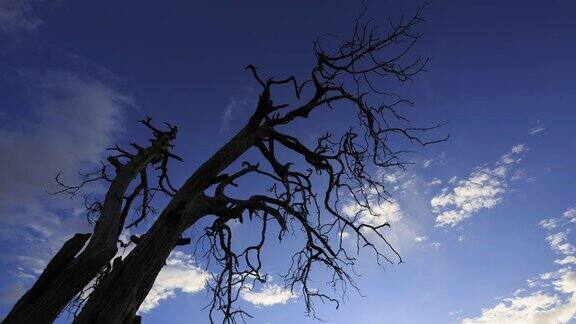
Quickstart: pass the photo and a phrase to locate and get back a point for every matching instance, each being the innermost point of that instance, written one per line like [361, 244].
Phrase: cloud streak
[539, 128]
[235, 107]
[482, 189]
[18, 16]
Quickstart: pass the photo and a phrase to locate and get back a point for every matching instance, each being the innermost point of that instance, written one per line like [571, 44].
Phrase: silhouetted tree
[304, 196]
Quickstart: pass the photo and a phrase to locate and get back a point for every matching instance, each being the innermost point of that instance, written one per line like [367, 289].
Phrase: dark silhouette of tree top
[304, 197]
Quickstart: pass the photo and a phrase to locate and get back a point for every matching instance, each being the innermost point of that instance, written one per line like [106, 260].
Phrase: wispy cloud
[455, 313]
[539, 128]
[436, 245]
[434, 182]
[17, 16]
[235, 107]
[567, 260]
[536, 308]
[518, 175]
[559, 243]
[549, 223]
[569, 216]
[483, 189]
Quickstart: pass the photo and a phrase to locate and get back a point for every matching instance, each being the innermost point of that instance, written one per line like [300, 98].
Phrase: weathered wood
[59, 262]
[118, 298]
[62, 282]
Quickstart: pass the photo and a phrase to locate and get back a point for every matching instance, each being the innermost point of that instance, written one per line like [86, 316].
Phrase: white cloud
[517, 149]
[567, 260]
[537, 308]
[268, 296]
[427, 163]
[420, 238]
[558, 243]
[537, 129]
[567, 281]
[518, 292]
[179, 274]
[514, 155]
[570, 214]
[434, 182]
[553, 302]
[483, 189]
[391, 177]
[549, 223]
[385, 212]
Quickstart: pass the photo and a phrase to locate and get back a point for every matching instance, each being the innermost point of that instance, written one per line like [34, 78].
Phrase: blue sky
[484, 221]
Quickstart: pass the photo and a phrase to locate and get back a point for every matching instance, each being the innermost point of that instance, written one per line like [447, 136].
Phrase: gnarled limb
[68, 273]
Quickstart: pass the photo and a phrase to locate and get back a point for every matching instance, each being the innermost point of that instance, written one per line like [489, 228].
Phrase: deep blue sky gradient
[498, 68]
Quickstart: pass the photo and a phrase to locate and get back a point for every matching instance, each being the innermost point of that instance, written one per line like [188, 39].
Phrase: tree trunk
[119, 296]
[52, 270]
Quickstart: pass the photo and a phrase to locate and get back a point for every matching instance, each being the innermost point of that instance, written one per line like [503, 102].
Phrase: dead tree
[69, 271]
[304, 196]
